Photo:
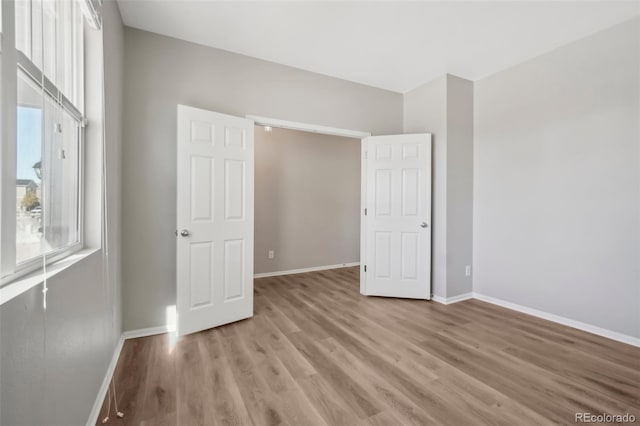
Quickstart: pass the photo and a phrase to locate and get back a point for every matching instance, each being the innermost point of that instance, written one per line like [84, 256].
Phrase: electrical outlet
[271, 254]
[467, 271]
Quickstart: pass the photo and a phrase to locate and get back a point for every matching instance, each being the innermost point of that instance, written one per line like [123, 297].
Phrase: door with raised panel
[214, 219]
[397, 224]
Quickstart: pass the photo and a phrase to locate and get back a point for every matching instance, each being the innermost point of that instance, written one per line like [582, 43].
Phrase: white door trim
[306, 127]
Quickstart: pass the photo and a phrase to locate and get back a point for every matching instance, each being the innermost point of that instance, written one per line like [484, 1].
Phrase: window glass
[29, 208]
[47, 184]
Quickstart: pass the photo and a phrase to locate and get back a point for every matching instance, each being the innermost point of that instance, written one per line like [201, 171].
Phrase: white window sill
[22, 284]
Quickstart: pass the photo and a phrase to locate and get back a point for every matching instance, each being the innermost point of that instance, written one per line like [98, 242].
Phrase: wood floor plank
[298, 410]
[160, 395]
[257, 342]
[409, 412]
[526, 383]
[327, 402]
[168, 419]
[385, 418]
[223, 402]
[418, 390]
[571, 337]
[297, 365]
[317, 352]
[582, 367]
[130, 378]
[260, 401]
[363, 403]
[190, 382]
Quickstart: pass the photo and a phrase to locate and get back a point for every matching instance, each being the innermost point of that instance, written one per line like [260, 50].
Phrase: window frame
[10, 269]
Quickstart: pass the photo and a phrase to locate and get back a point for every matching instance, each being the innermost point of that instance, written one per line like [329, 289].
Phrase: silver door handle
[185, 233]
[423, 225]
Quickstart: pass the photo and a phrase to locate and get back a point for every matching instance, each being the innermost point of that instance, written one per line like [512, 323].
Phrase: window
[46, 212]
[47, 171]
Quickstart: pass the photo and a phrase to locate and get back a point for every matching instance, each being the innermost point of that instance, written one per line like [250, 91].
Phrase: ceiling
[390, 45]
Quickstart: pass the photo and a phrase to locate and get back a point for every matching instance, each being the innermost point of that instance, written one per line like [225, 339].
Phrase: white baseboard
[613, 335]
[452, 299]
[303, 270]
[97, 405]
[144, 332]
[439, 299]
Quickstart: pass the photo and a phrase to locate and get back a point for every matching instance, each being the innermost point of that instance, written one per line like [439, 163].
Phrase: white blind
[93, 10]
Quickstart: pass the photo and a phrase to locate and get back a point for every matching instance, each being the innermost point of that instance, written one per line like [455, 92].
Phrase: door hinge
[365, 212]
[365, 268]
[366, 154]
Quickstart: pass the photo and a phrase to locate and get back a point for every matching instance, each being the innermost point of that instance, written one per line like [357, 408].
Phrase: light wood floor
[318, 353]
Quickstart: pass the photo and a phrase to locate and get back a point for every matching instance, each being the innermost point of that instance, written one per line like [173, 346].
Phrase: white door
[397, 223]
[215, 219]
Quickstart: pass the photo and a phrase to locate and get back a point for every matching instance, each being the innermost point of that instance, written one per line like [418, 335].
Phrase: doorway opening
[307, 201]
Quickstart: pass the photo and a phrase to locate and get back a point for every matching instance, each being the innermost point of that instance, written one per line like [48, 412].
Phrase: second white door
[397, 224]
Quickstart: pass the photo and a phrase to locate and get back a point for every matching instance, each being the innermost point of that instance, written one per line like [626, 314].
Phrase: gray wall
[307, 200]
[444, 108]
[113, 36]
[53, 361]
[161, 72]
[556, 176]
[459, 184]
[425, 111]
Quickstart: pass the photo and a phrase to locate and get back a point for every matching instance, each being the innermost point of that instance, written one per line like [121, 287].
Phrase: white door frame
[306, 127]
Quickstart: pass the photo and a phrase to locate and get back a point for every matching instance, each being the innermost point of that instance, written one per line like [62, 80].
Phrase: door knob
[185, 233]
[423, 225]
